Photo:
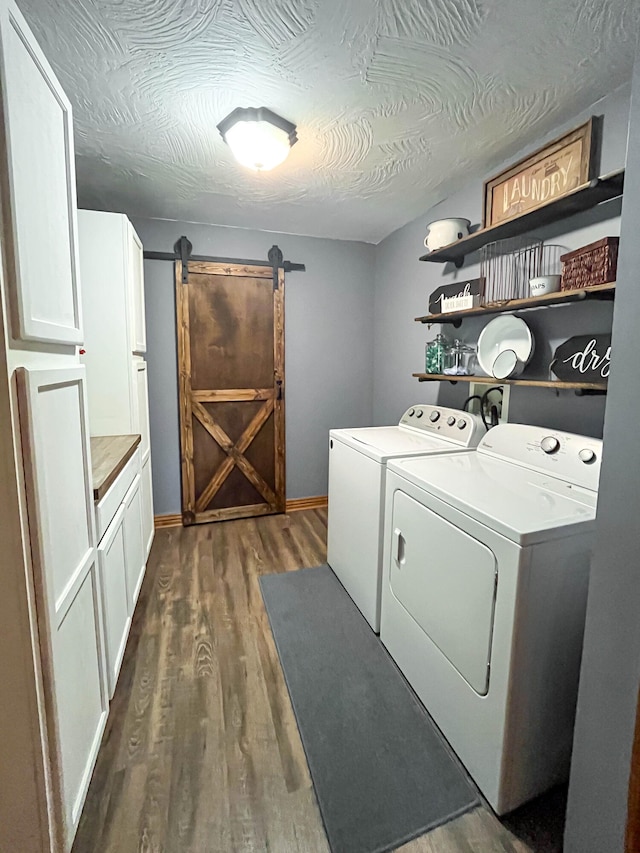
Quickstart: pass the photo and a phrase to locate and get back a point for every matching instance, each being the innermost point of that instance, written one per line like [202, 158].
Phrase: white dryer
[357, 459]
[486, 567]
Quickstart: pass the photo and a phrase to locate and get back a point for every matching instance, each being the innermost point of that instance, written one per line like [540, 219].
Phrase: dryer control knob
[434, 416]
[462, 423]
[587, 455]
[451, 420]
[412, 413]
[550, 444]
[419, 413]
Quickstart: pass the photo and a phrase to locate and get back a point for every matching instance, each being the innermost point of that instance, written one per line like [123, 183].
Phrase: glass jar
[434, 353]
[460, 359]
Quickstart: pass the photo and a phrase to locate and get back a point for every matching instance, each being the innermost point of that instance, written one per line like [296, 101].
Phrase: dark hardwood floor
[201, 753]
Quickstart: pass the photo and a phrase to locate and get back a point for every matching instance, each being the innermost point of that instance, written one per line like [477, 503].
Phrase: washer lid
[384, 443]
[525, 506]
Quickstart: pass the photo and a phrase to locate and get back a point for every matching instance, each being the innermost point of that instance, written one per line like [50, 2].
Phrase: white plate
[505, 332]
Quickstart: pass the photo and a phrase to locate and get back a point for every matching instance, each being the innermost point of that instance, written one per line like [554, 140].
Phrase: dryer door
[447, 581]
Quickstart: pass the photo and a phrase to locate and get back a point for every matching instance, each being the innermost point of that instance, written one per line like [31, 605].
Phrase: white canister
[442, 232]
[544, 284]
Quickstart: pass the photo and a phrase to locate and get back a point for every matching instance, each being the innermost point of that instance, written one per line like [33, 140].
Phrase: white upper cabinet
[104, 263]
[136, 292]
[39, 231]
[111, 263]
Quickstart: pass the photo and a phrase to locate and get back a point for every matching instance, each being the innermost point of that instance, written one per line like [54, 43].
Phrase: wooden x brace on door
[235, 452]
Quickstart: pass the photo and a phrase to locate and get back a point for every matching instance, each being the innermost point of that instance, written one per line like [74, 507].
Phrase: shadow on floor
[540, 823]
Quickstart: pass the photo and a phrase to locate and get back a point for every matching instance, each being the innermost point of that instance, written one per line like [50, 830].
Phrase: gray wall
[403, 283]
[328, 346]
[611, 663]
[611, 658]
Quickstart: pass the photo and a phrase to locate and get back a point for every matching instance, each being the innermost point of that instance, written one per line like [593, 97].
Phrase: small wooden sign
[473, 288]
[551, 173]
[584, 358]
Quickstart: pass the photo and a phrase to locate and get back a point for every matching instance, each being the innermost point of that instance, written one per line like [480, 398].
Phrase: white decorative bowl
[507, 364]
[504, 333]
[544, 284]
[442, 232]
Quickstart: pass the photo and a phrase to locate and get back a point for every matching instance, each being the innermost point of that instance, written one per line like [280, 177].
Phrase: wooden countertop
[109, 455]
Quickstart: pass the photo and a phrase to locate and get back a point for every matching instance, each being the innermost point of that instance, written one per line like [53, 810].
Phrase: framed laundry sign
[584, 358]
[545, 176]
[457, 296]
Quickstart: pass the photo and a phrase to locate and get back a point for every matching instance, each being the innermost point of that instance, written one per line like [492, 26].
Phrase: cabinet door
[38, 169]
[105, 310]
[113, 580]
[55, 449]
[133, 544]
[142, 406]
[147, 507]
[136, 292]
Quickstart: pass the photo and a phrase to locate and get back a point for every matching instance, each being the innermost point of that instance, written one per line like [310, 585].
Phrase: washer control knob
[550, 444]
[434, 416]
[412, 413]
[462, 423]
[587, 455]
[419, 413]
[451, 420]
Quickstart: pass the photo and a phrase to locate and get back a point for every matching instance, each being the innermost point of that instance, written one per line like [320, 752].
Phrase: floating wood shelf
[581, 199]
[579, 387]
[598, 291]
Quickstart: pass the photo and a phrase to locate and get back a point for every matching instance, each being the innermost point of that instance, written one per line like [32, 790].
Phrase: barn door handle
[278, 389]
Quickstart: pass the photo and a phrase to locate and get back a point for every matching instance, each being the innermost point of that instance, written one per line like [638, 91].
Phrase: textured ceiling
[395, 100]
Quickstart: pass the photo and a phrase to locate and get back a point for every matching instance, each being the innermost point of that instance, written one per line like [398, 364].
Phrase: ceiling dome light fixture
[258, 138]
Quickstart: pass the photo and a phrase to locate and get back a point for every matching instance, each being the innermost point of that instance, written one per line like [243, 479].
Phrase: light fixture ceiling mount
[259, 138]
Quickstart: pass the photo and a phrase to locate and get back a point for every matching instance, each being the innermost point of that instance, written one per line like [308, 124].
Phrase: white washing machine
[486, 567]
[357, 459]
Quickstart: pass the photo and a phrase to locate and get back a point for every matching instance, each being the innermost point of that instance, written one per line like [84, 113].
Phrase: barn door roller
[183, 248]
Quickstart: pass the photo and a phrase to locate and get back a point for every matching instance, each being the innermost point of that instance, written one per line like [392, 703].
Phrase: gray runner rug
[380, 769]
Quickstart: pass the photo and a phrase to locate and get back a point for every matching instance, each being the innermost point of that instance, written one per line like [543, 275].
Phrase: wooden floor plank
[201, 753]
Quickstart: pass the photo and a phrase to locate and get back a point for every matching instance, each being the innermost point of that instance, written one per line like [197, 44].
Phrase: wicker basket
[590, 265]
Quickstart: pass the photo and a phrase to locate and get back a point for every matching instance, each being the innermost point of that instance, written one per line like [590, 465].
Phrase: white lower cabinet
[147, 507]
[80, 696]
[113, 579]
[122, 555]
[141, 383]
[135, 556]
[55, 447]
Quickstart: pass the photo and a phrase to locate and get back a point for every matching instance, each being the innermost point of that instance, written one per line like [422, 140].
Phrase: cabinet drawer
[108, 506]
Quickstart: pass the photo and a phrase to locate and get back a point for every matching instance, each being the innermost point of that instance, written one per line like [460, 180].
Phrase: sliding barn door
[231, 371]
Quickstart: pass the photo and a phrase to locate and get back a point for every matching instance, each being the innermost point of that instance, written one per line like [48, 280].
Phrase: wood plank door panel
[231, 360]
